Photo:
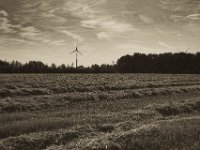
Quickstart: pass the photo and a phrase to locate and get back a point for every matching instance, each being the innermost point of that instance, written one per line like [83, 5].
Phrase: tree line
[185, 63]
[40, 67]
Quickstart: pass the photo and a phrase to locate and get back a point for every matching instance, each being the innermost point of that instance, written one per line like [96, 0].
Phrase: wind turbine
[187, 50]
[77, 52]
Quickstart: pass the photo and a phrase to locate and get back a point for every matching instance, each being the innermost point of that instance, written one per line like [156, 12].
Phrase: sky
[48, 30]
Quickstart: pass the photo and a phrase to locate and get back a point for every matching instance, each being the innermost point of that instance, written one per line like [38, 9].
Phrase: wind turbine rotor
[80, 53]
[72, 52]
[77, 52]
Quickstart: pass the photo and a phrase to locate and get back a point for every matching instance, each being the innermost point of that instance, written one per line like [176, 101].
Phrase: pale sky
[48, 30]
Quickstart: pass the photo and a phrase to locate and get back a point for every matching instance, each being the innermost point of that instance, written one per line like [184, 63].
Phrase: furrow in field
[38, 140]
[155, 135]
[49, 90]
[67, 99]
[147, 136]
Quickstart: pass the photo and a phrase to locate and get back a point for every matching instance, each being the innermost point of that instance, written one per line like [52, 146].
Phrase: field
[99, 112]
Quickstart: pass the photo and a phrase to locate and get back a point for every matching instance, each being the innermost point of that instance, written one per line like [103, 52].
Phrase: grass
[39, 84]
[106, 111]
[33, 103]
[34, 125]
[178, 108]
[174, 134]
[180, 134]
[39, 140]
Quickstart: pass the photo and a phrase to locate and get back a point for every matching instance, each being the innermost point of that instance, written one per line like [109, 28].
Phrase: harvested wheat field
[99, 112]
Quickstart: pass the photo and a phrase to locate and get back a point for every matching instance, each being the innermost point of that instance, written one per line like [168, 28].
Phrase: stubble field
[99, 112]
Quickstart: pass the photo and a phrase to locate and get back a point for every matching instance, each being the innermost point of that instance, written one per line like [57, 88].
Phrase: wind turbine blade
[72, 52]
[80, 53]
[187, 50]
[76, 44]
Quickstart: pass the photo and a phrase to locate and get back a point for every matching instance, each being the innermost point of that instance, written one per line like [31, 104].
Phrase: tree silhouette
[137, 63]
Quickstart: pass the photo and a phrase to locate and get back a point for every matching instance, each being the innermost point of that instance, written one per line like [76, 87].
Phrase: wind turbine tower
[77, 52]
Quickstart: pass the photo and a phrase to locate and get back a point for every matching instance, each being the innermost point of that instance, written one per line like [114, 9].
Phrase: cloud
[33, 34]
[53, 17]
[165, 2]
[192, 28]
[163, 44]
[58, 43]
[29, 32]
[177, 18]
[73, 35]
[146, 19]
[160, 31]
[128, 12]
[108, 24]
[6, 26]
[193, 17]
[185, 18]
[11, 41]
[85, 9]
[94, 17]
[103, 35]
[3, 13]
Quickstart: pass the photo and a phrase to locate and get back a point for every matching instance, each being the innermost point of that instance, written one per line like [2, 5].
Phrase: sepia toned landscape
[99, 75]
[99, 111]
